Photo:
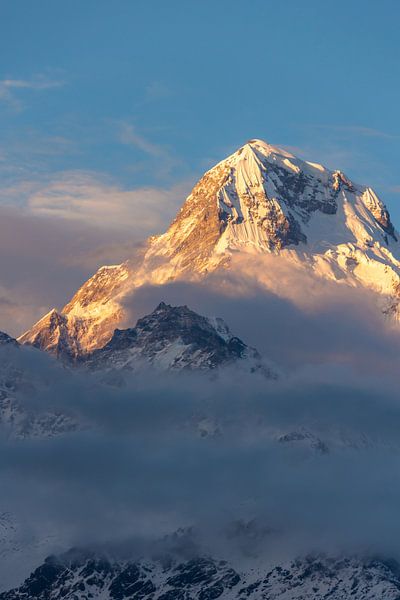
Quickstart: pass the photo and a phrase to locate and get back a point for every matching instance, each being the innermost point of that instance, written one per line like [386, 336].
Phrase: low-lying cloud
[291, 316]
[309, 461]
[85, 197]
[306, 464]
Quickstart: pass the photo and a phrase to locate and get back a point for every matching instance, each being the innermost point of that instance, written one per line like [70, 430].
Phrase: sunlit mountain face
[255, 215]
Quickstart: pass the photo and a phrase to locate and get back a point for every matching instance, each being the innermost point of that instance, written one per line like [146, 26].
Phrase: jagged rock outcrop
[7, 341]
[54, 334]
[176, 338]
[85, 576]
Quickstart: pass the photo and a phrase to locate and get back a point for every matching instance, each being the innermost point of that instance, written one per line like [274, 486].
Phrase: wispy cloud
[359, 130]
[94, 199]
[129, 135]
[166, 161]
[157, 90]
[10, 89]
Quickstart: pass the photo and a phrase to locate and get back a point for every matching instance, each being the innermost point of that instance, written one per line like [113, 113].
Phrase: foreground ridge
[87, 576]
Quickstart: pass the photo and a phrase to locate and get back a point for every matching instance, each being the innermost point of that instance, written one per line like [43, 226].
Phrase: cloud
[19, 309]
[27, 162]
[143, 469]
[9, 89]
[164, 159]
[85, 197]
[293, 317]
[358, 130]
[157, 90]
[129, 135]
[94, 199]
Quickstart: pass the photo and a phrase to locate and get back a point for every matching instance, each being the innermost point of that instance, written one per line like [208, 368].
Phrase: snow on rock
[176, 338]
[54, 334]
[259, 200]
[85, 575]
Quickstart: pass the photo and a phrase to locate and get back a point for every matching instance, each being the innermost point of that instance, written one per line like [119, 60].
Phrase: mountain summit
[259, 200]
[264, 199]
[178, 339]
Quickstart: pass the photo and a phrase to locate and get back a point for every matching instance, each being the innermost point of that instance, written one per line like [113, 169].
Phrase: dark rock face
[171, 337]
[306, 438]
[301, 192]
[7, 340]
[84, 576]
[176, 338]
[382, 216]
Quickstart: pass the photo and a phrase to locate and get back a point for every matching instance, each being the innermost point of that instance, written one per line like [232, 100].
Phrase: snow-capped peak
[274, 154]
[264, 199]
[260, 199]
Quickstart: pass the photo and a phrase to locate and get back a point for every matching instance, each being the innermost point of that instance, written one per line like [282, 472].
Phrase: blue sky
[193, 80]
[110, 111]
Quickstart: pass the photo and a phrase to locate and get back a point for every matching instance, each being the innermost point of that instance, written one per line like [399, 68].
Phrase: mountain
[176, 338]
[261, 200]
[19, 383]
[6, 341]
[54, 333]
[87, 576]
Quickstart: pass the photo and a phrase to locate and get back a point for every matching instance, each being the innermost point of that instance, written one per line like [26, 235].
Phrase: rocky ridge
[85, 576]
[178, 339]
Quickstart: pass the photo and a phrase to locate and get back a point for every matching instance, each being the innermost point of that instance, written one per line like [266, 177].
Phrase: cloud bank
[305, 464]
[288, 314]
